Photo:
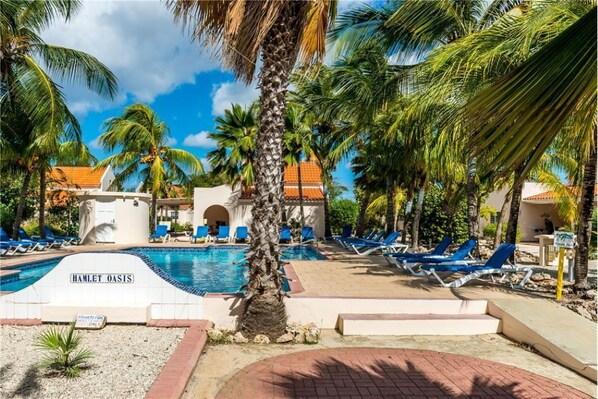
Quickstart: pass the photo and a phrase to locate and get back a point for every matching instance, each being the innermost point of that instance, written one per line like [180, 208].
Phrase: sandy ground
[126, 363]
[220, 362]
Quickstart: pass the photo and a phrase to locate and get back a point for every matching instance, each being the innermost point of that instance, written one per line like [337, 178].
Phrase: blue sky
[156, 63]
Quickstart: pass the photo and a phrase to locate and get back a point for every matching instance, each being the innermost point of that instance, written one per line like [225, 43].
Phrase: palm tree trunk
[283, 210]
[419, 204]
[21, 207]
[265, 311]
[408, 209]
[42, 201]
[327, 230]
[500, 221]
[390, 204]
[511, 235]
[472, 199]
[361, 217]
[154, 211]
[584, 229]
[300, 186]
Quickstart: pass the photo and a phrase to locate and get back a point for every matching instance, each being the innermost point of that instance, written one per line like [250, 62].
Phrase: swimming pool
[214, 268]
[211, 269]
[30, 273]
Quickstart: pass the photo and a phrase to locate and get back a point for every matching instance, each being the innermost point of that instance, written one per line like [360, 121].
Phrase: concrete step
[417, 324]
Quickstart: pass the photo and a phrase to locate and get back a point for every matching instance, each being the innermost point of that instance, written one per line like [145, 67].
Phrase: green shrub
[62, 350]
[434, 222]
[341, 213]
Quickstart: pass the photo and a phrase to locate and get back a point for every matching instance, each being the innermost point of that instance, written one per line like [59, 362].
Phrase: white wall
[239, 210]
[131, 221]
[107, 179]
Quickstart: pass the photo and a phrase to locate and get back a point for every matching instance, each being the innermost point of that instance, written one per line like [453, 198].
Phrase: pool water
[214, 269]
[30, 273]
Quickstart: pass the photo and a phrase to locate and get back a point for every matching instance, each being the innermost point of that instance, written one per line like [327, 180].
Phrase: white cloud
[170, 141]
[227, 93]
[139, 42]
[200, 139]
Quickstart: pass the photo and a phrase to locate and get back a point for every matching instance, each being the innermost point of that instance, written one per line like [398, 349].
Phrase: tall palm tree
[298, 142]
[506, 115]
[28, 93]
[235, 137]
[281, 32]
[140, 137]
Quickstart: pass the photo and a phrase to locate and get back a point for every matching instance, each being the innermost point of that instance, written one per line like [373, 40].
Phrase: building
[176, 208]
[104, 216]
[224, 205]
[537, 214]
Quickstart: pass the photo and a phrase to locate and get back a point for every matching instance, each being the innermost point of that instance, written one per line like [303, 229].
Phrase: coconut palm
[281, 32]
[140, 137]
[235, 137]
[32, 105]
[506, 114]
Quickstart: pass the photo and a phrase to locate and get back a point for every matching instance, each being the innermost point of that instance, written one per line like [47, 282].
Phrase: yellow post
[559, 276]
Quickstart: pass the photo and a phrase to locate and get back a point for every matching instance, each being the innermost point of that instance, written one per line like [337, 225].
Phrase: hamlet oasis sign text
[99, 278]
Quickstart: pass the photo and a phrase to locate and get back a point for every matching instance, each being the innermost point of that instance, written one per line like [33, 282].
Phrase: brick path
[387, 373]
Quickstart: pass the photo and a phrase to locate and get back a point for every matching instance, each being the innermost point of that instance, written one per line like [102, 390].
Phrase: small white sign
[90, 321]
[564, 239]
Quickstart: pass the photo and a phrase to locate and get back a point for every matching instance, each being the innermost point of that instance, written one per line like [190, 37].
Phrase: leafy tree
[342, 212]
[141, 137]
[10, 189]
[435, 221]
[34, 116]
[281, 32]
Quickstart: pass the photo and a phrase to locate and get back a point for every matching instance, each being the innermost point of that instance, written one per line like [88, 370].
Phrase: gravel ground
[127, 361]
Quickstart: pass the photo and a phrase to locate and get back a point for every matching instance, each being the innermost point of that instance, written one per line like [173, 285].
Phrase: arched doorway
[214, 216]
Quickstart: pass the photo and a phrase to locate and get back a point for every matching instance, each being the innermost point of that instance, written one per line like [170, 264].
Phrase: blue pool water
[30, 273]
[214, 269]
[211, 269]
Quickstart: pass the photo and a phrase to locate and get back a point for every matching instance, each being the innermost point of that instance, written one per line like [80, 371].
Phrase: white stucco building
[223, 205]
[537, 213]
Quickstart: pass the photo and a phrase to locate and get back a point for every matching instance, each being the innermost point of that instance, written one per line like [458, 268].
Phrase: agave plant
[62, 350]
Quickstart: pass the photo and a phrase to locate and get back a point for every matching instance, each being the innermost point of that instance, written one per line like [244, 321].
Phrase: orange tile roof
[292, 193]
[76, 177]
[310, 173]
[548, 195]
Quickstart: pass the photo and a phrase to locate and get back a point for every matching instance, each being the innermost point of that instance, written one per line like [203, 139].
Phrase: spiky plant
[63, 354]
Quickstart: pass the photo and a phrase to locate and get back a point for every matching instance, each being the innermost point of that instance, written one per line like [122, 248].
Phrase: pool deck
[541, 321]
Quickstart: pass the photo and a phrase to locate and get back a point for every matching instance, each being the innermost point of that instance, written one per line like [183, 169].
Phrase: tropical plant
[281, 32]
[342, 212]
[34, 116]
[63, 352]
[506, 115]
[140, 137]
[235, 134]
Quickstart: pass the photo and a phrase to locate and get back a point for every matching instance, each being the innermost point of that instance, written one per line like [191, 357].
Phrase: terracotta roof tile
[76, 177]
[548, 195]
[292, 193]
[310, 173]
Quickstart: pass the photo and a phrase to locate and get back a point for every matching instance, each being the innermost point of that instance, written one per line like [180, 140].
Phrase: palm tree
[506, 115]
[298, 143]
[235, 136]
[282, 32]
[141, 138]
[29, 99]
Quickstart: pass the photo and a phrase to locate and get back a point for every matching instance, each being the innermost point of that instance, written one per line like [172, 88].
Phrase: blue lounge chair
[223, 234]
[347, 230]
[47, 243]
[307, 235]
[202, 233]
[285, 234]
[161, 233]
[4, 248]
[496, 264]
[68, 239]
[409, 261]
[389, 244]
[16, 246]
[438, 251]
[241, 234]
[375, 237]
